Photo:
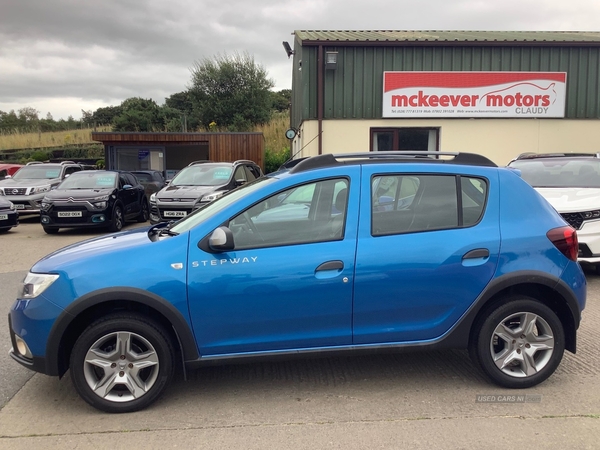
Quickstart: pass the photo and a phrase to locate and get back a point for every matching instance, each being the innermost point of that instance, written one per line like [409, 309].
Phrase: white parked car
[571, 184]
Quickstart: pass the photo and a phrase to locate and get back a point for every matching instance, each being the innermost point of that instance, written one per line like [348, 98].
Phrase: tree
[138, 114]
[28, 115]
[106, 115]
[182, 102]
[282, 100]
[9, 121]
[231, 91]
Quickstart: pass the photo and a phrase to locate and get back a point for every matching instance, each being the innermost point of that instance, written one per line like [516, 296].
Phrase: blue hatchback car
[333, 253]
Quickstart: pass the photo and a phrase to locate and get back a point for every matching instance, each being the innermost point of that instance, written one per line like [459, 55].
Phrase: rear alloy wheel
[122, 363]
[51, 230]
[144, 213]
[116, 223]
[520, 343]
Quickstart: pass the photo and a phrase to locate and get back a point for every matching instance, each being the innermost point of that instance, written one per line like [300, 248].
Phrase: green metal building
[339, 91]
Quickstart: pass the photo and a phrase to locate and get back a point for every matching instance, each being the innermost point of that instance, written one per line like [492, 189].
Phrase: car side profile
[198, 184]
[333, 254]
[94, 198]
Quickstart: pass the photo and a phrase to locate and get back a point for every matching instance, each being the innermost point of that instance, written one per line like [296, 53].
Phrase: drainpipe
[320, 99]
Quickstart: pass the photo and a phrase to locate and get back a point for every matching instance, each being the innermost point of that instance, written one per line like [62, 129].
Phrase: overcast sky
[62, 56]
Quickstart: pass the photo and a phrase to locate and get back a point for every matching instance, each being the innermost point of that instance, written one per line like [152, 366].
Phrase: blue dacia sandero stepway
[333, 253]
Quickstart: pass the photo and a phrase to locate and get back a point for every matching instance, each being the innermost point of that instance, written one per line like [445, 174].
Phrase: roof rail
[202, 161]
[67, 162]
[326, 160]
[532, 155]
[34, 163]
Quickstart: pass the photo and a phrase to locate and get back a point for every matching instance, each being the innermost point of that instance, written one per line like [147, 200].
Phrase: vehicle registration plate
[19, 206]
[3, 216]
[69, 214]
[175, 214]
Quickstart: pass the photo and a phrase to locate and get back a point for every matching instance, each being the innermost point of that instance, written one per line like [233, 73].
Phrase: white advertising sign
[474, 94]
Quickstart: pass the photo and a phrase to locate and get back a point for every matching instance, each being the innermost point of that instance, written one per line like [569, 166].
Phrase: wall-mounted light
[331, 60]
[291, 133]
[288, 49]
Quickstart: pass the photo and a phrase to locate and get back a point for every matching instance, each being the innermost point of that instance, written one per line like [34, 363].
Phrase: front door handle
[330, 265]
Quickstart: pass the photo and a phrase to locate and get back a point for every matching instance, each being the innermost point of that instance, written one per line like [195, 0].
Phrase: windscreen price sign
[474, 94]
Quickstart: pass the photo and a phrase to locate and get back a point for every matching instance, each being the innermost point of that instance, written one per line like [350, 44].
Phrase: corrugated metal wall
[354, 89]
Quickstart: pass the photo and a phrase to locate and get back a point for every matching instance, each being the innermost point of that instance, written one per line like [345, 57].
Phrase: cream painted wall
[498, 139]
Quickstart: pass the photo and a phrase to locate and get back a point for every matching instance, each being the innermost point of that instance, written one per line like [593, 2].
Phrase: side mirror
[127, 186]
[221, 240]
[240, 182]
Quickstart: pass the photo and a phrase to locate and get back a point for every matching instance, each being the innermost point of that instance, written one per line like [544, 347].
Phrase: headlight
[36, 283]
[153, 197]
[211, 197]
[101, 198]
[99, 205]
[12, 206]
[1, 191]
[590, 214]
[40, 189]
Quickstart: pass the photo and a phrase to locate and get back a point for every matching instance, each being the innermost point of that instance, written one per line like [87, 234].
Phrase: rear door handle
[477, 253]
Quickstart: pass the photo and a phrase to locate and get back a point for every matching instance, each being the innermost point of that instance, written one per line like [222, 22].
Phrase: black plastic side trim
[183, 331]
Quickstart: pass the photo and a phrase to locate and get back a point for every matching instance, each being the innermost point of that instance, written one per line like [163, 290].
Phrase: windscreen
[560, 172]
[202, 175]
[90, 180]
[37, 172]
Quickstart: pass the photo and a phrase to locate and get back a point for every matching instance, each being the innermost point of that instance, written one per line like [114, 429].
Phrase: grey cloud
[104, 52]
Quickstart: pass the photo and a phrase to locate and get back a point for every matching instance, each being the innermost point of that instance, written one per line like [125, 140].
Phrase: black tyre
[122, 363]
[144, 213]
[117, 220]
[519, 344]
[51, 230]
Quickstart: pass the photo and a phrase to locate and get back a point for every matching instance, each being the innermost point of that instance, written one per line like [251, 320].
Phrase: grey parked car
[29, 185]
[198, 184]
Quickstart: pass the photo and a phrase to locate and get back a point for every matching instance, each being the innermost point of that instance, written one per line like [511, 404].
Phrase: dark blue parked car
[333, 253]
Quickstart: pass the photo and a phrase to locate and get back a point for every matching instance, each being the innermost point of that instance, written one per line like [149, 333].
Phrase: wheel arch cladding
[79, 314]
[551, 292]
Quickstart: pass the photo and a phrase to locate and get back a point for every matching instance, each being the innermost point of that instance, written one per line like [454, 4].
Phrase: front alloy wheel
[121, 363]
[116, 224]
[519, 344]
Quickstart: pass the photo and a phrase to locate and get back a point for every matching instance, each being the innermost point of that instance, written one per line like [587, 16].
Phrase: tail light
[565, 239]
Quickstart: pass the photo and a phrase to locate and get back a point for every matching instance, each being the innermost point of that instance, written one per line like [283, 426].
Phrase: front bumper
[589, 242]
[12, 219]
[166, 211]
[35, 363]
[81, 214]
[26, 204]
